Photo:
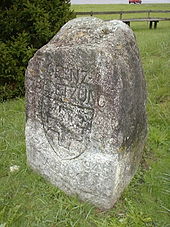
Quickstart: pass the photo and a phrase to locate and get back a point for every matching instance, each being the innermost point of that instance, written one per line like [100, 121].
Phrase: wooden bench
[152, 20]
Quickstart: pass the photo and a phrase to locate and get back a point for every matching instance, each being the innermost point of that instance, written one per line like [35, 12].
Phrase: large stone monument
[86, 122]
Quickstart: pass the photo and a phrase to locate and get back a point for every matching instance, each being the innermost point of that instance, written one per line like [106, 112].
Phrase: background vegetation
[26, 199]
[25, 25]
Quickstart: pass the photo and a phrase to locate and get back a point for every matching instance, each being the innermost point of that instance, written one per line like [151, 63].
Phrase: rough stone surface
[86, 121]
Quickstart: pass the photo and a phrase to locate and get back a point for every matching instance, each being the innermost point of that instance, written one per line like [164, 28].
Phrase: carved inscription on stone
[68, 103]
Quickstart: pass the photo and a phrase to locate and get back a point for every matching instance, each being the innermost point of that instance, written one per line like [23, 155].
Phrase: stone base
[93, 176]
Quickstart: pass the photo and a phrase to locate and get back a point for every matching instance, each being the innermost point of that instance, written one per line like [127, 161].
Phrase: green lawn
[124, 7]
[27, 200]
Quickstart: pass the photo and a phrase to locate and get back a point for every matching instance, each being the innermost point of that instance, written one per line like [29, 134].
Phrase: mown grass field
[124, 7]
[27, 200]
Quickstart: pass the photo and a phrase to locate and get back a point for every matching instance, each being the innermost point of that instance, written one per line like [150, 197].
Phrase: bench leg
[128, 23]
[155, 24]
[150, 24]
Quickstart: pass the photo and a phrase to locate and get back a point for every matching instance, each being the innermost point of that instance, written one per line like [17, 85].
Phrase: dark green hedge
[25, 26]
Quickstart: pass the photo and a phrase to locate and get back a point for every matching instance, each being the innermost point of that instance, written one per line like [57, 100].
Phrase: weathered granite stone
[86, 122]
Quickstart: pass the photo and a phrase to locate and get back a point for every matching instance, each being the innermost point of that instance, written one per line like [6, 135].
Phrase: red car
[135, 1]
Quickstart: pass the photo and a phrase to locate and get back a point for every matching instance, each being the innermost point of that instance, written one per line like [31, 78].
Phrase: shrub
[25, 26]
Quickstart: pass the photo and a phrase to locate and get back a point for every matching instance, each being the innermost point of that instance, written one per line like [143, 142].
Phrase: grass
[124, 7]
[26, 199]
